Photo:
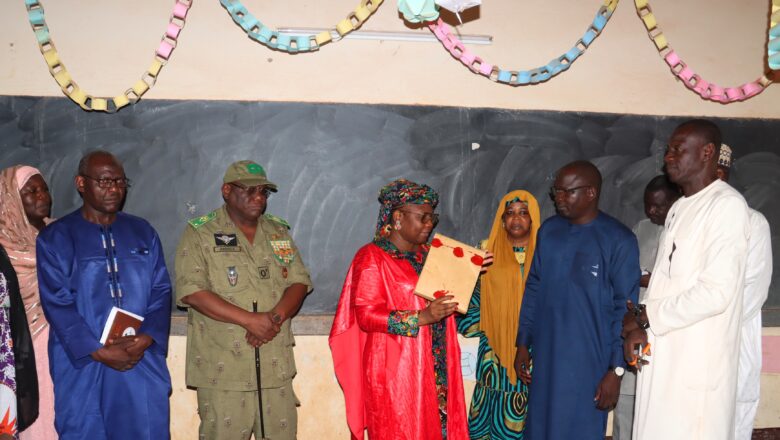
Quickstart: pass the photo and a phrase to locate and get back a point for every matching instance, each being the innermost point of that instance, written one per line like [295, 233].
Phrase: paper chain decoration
[523, 77]
[773, 46]
[77, 94]
[693, 81]
[275, 40]
[286, 43]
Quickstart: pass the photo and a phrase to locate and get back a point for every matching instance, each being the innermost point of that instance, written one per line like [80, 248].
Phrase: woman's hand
[437, 310]
[523, 364]
[486, 262]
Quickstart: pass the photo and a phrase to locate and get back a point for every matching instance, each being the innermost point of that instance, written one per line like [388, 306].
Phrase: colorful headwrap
[724, 156]
[398, 193]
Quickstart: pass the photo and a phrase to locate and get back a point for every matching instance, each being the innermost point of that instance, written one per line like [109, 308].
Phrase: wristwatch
[619, 371]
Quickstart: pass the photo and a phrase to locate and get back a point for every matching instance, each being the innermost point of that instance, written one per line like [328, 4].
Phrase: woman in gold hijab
[493, 316]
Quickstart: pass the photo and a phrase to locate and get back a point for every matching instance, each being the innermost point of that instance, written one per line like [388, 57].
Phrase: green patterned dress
[498, 407]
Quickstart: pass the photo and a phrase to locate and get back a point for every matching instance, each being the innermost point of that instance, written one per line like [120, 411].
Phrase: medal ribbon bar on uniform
[693, 81]
[523, 77]
[273, 39]
[132, 95]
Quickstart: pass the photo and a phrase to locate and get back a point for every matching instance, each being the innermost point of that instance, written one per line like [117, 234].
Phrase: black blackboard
[330, 159]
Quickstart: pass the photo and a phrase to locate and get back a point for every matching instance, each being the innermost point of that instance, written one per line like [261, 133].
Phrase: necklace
[519, 254]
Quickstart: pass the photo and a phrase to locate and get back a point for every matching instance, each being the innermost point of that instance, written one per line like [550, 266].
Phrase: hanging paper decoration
[132, 95]
[523, 77]
[418, 11]
[273, 39]
[692, 80]
[773, 45]
[458, 6]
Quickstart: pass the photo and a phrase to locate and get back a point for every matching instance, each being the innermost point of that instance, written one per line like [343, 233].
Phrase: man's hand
[523, 364]
[631, 341]
[630, 321]
[437, 310]
[608, 391]
[644, 281]
[139, 344]
[261, 329]
[116, 356]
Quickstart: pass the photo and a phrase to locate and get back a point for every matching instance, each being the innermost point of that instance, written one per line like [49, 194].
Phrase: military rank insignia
[265, 274]
[232, 276]
[226, 243]
[225, 240]
[283, 251]
[202, 220]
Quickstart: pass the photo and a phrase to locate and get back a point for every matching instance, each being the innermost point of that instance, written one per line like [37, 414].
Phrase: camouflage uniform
[215, 256]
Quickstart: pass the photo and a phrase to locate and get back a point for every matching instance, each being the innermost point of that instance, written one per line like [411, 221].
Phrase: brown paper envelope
[451, 268]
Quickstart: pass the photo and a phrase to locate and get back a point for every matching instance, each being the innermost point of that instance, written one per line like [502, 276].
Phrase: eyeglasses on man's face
[252, 190]
[105, 182]
[566, 192]
[424, 218]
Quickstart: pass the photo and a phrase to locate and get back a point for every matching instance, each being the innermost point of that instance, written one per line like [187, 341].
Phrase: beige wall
[106, 46]
[321, 415]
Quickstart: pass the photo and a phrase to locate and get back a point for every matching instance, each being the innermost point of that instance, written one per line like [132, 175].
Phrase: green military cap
[249, 174]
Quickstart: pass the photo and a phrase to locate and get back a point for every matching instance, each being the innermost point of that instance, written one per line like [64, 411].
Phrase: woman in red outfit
[395, 354]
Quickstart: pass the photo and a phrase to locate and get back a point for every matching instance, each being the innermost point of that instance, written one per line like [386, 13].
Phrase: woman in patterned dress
[498, 406]
[25, 208]
[18, 381]
[396, 356]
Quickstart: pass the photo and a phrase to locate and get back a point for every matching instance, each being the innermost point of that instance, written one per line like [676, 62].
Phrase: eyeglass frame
[252, 190]
[106, 183]
[432, 216]
[566, 191]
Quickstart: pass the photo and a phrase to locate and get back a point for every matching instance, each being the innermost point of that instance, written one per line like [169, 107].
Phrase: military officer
[226, 260]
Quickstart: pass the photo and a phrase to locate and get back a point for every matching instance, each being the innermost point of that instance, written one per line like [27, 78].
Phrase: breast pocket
[586, 269]
[229, 274]
[587, 273]
[681, 260]
[134, 275]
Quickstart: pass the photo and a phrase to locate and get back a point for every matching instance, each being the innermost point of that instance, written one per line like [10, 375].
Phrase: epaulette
[202, 220]
[279, 220]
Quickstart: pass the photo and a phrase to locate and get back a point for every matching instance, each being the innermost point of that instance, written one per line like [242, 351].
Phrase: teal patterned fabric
[498, 407]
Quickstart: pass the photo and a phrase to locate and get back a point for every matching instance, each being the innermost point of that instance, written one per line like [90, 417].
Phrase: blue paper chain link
[274, 39]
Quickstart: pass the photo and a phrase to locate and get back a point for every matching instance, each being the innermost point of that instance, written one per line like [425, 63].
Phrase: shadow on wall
[329, 161]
